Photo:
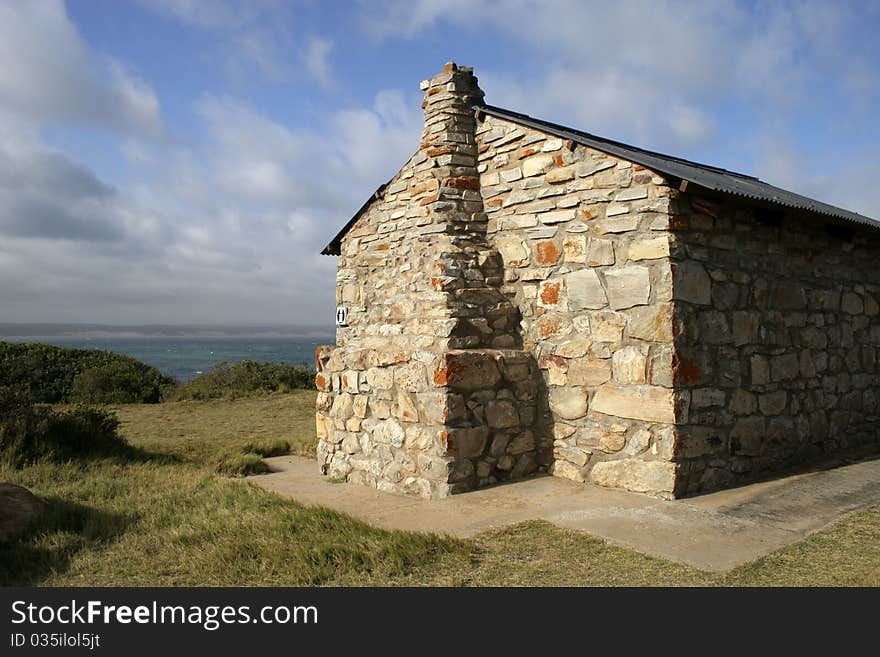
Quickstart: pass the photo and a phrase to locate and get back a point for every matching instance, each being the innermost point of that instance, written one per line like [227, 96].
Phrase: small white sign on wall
[341, 316]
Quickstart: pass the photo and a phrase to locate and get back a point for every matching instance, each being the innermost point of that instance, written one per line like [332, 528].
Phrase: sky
[185, 161]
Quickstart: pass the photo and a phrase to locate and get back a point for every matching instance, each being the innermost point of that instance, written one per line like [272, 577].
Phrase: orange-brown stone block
[550, 293]
[547, 252]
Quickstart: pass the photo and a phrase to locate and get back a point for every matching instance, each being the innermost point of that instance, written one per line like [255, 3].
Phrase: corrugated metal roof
[703, 175]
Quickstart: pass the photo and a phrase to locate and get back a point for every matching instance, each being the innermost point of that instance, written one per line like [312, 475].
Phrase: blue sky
[183, 161]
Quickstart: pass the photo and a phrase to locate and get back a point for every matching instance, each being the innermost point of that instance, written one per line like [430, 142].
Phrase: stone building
[526, 297]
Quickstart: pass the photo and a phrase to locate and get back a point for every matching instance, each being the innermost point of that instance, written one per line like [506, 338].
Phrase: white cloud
[317, 62]
[46, 196]
[48, 73]
[250, 36]
[407, 18]
[250, 153]
[603, 102]
[259, 49]
[372, 143]
[212, 14]
[841, 179]
[226, 228]
[658, 71]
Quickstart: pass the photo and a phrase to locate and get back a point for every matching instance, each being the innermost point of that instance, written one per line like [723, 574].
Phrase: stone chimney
[449, 143]
[468, 269]
[426, 391]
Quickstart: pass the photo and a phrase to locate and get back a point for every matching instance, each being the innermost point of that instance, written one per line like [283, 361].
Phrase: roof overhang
[335, 245]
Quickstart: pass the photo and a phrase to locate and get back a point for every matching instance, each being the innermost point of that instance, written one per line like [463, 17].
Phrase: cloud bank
[222, 222]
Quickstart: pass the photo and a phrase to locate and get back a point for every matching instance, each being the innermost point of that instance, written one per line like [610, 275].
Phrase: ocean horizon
[183, 357]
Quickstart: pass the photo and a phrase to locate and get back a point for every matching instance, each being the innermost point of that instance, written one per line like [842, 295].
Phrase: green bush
[241, 465]
[267, 448]
[42, 373]
[245, 378]
[30, 433]
[11, 399]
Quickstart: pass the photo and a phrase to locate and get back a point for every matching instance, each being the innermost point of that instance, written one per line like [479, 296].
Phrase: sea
[186, 357]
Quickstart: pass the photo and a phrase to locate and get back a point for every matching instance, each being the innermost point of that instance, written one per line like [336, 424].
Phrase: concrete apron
[716, 531]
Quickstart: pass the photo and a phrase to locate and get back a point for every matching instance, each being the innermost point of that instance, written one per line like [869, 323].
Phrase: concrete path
[716, 532]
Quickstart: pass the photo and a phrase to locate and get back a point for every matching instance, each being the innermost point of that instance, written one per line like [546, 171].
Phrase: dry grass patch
[196, 429]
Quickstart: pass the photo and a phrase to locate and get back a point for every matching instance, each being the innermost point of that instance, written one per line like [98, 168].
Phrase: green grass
[200, 430]
[537, 553]
[237, 464]
[179, 524]
[267, 448]
[168, 518]
[846, 554]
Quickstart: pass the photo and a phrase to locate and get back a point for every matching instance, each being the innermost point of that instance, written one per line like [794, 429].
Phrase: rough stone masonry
[519, 302]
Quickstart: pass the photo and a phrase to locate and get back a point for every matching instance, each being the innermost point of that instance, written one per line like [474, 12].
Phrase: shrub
[12, 398]
[116, 383]
[30, 433]
[42, 373]
[268, 447]
[245, 378]
[241, 465]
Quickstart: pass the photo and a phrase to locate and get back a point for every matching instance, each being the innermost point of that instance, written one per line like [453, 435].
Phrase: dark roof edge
[703, 175]
[335, 245]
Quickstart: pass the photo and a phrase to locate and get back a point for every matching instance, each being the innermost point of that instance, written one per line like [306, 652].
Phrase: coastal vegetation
[243, 379]
[39, 382]
[42, 373]
[30, 433]
[46, 374]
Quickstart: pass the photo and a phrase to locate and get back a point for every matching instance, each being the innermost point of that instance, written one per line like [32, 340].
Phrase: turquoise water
[184, 358]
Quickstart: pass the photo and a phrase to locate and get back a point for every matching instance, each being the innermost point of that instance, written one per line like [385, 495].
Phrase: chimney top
[455, 78]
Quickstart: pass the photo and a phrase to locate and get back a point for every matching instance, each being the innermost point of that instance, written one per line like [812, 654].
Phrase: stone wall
[427, 424]
[779, 341]
[585, 239]
[425, 392]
